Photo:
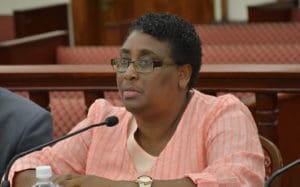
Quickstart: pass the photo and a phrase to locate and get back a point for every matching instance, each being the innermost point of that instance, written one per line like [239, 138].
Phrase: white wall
[237, 9]
[7, 6]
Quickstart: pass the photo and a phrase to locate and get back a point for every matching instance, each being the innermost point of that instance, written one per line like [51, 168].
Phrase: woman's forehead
[141, 43]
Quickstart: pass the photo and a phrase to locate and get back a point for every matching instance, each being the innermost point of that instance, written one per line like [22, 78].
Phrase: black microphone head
[111, 121]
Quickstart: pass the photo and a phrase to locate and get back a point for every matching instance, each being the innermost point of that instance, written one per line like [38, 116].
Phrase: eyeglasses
[121, 65]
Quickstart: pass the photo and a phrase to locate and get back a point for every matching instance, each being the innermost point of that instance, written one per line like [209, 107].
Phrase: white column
[238, 9]
[217, 11]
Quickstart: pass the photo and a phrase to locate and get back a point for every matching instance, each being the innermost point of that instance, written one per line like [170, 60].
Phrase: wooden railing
[265, 80]
[35, 49]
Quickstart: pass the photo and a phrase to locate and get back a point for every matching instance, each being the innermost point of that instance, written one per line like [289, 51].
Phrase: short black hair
[179, 33]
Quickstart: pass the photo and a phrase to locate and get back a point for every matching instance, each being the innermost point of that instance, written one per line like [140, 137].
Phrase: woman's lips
[130, 94]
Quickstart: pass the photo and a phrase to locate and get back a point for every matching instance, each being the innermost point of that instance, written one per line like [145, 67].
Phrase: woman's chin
[132, 106]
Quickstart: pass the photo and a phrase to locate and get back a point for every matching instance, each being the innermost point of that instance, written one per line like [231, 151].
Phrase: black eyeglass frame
[155, 63]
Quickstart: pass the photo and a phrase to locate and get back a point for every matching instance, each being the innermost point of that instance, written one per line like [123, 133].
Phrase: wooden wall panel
[99, 22]
[288, 130]
[40, 20]
[86, 21]
[273, 12]
[7, 29]
[192, 10]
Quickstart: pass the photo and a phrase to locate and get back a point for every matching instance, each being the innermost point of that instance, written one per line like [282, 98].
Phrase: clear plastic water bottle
[44, 177]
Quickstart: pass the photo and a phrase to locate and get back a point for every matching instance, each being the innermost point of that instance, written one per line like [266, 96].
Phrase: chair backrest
[86, 54]
[251, 54]
[253, 33]
[273, 159]
[68, 108]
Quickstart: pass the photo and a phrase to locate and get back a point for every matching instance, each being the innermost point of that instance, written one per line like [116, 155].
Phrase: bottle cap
[43, 172]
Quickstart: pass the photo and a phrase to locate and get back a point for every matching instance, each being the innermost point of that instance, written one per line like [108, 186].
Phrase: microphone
[280, 171]
[109, 121]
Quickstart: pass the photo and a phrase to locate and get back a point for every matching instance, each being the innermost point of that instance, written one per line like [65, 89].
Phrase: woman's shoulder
[208, 104]
[101, 109]
[225, 99]
[210, 108]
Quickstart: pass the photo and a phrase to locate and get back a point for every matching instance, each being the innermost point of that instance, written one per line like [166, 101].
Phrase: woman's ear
[184, 75]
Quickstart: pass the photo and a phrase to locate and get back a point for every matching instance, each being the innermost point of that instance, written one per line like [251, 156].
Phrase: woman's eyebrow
[142, 52]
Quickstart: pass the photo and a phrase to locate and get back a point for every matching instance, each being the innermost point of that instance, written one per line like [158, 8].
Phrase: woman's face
[152, 92]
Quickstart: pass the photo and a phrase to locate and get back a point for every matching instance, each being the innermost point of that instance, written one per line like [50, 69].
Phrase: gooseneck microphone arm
[109, 121]
[280, 171]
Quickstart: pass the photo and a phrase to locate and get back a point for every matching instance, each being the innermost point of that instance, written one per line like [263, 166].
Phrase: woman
[169, 134]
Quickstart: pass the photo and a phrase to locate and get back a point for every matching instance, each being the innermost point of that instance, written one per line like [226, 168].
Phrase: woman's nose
[131, 73]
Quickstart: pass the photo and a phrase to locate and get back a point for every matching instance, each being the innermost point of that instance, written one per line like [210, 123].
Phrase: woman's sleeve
[66, 156]
[234, 153]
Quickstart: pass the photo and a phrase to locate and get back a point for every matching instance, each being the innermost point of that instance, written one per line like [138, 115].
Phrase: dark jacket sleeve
[23, 125]
[38, 130]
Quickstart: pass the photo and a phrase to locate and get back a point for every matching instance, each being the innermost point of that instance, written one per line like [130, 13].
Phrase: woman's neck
[154, 133]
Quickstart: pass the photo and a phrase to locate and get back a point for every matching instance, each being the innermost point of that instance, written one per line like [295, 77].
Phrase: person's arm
[38, 130]
[27, 178]
[90, 181]
[61, 155]
[67, 156]
[234, 154]
[24, 178]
